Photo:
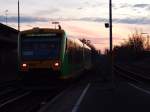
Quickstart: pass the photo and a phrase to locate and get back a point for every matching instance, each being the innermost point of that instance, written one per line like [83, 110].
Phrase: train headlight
[56, 65]
[24, 67]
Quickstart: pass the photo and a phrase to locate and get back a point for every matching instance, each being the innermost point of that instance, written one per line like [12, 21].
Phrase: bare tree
[132, 48]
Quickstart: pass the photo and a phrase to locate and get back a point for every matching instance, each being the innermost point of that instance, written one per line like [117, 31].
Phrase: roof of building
[8, 35]
[5, 28]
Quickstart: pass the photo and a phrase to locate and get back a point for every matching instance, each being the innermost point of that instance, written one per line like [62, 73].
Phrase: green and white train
[51, 53]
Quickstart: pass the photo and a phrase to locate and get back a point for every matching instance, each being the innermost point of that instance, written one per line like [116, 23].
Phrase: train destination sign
[38, 35]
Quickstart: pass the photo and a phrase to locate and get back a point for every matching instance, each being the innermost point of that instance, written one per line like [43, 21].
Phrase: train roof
[77, 41]
[87, 47]
[42, 30]
[50, 30]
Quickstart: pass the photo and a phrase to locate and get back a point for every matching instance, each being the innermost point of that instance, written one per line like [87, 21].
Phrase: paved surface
[100, 96]
[125, 98]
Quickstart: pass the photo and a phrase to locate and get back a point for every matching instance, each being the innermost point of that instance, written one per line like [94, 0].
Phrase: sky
[81, 18]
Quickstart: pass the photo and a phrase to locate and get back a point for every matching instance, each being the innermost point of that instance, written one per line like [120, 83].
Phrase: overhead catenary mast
[18, 16]
[111, 42]
[6, 14]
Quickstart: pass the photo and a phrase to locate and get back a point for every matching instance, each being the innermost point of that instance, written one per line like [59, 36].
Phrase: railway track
[24, 100]
[133, 75]
[8, 84]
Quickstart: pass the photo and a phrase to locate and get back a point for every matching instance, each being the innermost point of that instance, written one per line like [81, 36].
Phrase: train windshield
[40, 47]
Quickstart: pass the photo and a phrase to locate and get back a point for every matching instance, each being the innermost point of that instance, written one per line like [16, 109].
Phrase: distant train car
[51, 53]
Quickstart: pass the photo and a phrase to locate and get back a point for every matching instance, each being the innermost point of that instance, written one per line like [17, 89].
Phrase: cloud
[141, 5]
[119, 6]
[80, 8]
[128, 20]
[148, 8]
[95, 19]
[125, 5]
[30, 19]
[93, 4]
[134, 7]
[48, 11]
[24, 19]
[141, 20]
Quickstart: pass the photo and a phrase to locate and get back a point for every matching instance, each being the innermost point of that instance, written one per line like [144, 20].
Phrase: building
[8, 37]
[8, 43]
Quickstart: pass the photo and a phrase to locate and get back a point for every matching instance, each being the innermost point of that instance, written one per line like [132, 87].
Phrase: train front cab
[38, 68]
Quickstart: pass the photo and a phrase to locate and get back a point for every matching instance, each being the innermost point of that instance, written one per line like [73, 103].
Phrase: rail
[133, 75]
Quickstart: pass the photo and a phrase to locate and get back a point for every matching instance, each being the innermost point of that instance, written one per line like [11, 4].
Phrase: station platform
[101, 96]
